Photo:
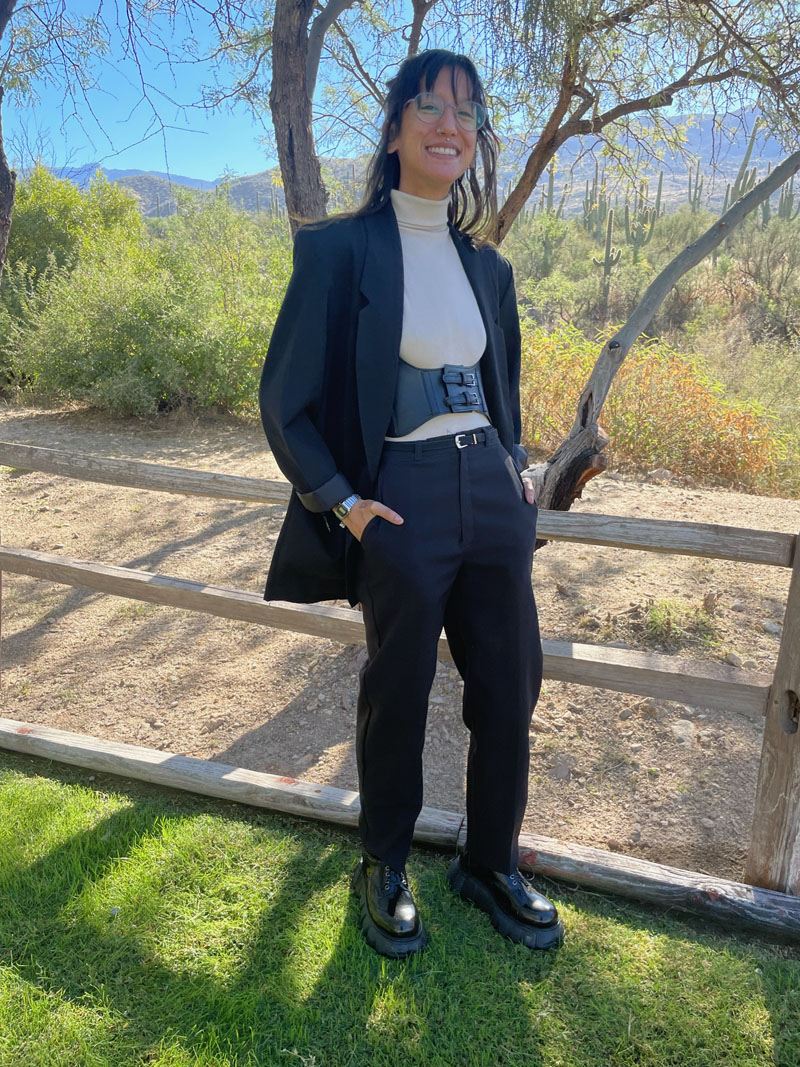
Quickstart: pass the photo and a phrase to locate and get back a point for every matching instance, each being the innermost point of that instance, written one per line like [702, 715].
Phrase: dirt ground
[663, 781]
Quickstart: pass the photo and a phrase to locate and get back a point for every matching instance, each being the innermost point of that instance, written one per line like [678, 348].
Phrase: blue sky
[117, 130]
[122, 134]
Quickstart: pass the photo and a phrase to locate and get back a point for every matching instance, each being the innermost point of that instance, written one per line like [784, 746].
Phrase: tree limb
[360, 73]
[555, 134]
[421, 9]
[560, 478]
[316, 38]
[6, 11]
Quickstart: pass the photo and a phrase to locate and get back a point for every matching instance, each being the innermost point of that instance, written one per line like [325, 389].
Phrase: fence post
[774, 858]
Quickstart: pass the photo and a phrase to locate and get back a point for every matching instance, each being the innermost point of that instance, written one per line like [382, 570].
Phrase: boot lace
[518, 879]
[393, 879]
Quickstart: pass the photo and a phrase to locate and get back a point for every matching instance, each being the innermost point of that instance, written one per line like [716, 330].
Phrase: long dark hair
[473, 204]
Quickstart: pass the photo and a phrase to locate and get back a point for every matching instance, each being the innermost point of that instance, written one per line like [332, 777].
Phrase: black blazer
[328, 384]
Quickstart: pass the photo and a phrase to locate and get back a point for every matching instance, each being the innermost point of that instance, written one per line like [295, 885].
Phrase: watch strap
[344, 507]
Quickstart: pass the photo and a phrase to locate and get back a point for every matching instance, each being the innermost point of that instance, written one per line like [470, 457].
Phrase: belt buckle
[466, 444]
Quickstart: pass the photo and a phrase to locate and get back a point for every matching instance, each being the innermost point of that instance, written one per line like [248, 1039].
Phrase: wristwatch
[343, 509]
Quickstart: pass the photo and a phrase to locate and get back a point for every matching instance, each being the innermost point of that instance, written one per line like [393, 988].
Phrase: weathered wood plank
[661, 535]
[654, 535]
[687, 681]
[318, 620]
[138, 475]
[775, 914]
[208, 778]
[648, 674]
[774, 857]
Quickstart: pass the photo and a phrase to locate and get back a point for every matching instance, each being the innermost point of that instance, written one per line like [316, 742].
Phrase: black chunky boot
[389, 919]
[517, 911]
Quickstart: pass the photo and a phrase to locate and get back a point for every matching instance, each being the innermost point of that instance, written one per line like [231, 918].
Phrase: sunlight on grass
[39, 1028]
[235, 945]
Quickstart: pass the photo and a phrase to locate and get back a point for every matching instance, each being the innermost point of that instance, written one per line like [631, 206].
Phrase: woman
[390, 399]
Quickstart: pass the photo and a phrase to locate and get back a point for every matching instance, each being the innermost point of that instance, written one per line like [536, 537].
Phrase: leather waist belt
[485, 436]
[422, 394]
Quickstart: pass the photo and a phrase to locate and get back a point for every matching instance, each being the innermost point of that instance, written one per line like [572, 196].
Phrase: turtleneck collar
[417, 213]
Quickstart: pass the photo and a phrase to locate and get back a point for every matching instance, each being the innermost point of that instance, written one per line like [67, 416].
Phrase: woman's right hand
[363, 512]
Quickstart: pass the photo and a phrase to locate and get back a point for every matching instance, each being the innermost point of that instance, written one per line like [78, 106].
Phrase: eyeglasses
[429, 108]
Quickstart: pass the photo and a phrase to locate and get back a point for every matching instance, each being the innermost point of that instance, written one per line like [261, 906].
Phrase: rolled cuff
[332, 492]
[520, 457]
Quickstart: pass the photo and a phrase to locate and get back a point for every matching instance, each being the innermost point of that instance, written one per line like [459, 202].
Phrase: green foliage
[672, 622]
[536, 244]
[138, 327]
[54, 222]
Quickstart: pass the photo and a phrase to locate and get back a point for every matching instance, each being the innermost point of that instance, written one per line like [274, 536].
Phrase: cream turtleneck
[441, 320]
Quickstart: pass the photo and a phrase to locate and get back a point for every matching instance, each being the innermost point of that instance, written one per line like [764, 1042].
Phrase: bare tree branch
[554, 134]
[357, 69]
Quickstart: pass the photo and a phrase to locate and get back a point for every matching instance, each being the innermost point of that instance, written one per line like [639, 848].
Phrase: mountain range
[719, 158]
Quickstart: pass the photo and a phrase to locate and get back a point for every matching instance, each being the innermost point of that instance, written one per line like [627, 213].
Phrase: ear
[390, 130]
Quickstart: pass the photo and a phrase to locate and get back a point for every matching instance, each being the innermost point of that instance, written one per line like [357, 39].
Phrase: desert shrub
[664, 409]
[54, 222]
[136, 327]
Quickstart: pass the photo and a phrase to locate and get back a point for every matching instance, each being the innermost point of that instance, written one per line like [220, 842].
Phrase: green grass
[140, 927]
[676, 623]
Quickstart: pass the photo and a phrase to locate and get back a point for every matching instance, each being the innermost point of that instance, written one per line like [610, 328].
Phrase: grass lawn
[144, 927]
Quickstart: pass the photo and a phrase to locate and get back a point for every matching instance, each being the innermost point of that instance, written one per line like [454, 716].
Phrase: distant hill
[82, 175]
[155, 190]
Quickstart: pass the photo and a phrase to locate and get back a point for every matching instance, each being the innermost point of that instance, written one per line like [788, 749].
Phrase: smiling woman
[436, 140]
[390, 397]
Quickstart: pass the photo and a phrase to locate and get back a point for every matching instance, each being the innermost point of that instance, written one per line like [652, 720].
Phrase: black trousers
[461, 560]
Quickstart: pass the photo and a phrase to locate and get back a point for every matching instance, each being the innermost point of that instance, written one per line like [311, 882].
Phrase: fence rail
[709, 685]
[653, 535]
[774, 859]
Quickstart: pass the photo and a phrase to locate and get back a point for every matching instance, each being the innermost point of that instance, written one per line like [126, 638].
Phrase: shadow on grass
[293, 982]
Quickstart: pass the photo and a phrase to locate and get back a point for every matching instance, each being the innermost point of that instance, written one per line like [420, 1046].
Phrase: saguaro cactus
[595, 205]
[786, 208]
[696, 190]
[609, 260]
[640, 223]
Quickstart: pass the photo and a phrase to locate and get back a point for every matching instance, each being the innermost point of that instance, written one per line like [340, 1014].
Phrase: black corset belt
[422, 394]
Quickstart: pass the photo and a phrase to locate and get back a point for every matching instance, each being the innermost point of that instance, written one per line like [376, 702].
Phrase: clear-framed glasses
[429, 107]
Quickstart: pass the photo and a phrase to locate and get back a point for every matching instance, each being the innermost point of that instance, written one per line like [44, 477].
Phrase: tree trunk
[8, 185]
[559, 480]
[290, 104]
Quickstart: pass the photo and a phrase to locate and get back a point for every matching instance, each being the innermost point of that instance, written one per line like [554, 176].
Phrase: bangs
[457, 70]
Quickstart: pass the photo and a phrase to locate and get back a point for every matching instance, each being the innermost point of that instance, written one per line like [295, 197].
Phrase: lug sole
[471, 889]
[394, 948]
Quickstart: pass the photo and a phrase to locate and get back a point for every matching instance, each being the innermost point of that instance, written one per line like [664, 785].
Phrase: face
[433, 156]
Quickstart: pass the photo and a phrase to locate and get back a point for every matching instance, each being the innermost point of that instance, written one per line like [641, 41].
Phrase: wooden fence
[771, 897]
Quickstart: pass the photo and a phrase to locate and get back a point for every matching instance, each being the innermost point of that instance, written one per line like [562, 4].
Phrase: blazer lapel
[380, 324]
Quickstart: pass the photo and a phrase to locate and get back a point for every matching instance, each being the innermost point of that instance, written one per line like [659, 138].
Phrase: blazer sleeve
[294, 371]
[508, 321]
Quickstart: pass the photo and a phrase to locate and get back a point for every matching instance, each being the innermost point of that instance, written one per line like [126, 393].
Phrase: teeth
[443, 151]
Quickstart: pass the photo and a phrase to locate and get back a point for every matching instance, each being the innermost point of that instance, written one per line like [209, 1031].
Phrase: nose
[447, 123]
